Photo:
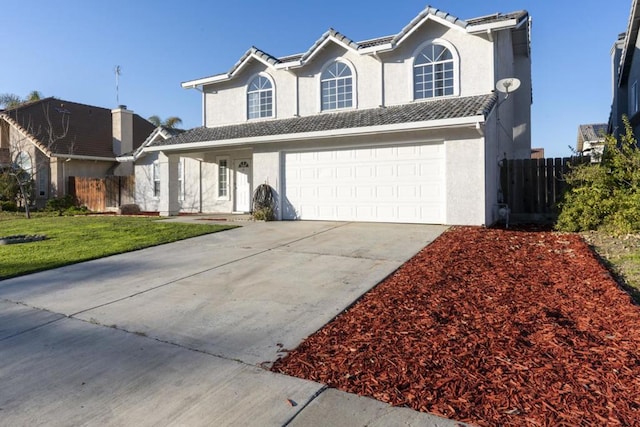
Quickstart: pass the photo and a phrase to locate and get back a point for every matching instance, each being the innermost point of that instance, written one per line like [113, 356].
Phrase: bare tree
[24, 162]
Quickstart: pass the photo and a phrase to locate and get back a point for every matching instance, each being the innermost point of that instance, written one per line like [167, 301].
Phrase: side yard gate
[103, 194]
[532, 188]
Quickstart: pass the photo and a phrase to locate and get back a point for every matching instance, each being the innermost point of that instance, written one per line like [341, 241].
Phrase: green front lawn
[80, 238]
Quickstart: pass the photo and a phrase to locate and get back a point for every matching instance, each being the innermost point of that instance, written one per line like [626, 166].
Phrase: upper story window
[434, 71]
[336, 84]
[260, 98]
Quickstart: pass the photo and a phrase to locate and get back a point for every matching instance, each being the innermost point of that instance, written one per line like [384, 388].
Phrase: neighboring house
[625, 64]
[591, 140]
[401, 128]
[537, 153]
[55, 139]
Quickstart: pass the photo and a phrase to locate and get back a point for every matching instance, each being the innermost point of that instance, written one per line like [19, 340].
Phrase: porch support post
[168, 164]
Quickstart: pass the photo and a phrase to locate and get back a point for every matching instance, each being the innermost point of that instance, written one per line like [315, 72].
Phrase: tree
[11, 100]
[24, 162]
[169, 122]
[605, 195]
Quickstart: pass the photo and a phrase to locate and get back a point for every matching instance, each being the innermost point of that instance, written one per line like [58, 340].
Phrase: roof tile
[415, 112]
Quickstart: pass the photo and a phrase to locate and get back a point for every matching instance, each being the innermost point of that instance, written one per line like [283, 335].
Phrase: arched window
[336, 85]
[260, 98]
[23, 162]
[433, 72]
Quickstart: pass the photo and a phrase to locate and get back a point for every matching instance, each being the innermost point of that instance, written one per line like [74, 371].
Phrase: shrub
[130, 209]
[605, 195]
[263, 203]
[263, 214]
[8, 206]
[60, 204]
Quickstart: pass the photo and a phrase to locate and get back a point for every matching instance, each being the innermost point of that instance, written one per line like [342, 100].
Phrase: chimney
[122, 130]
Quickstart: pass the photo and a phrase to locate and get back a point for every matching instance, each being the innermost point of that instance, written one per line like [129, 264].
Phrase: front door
[242, 185]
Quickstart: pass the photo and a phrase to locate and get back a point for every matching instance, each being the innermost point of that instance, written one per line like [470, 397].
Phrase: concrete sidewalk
[179, 334]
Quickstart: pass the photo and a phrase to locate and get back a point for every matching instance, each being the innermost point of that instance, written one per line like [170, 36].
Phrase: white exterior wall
[226, 102]
[366, 78]
[475, 55]
[465, 181]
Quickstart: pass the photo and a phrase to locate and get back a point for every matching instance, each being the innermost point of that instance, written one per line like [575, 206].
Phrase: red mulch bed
[490, 327]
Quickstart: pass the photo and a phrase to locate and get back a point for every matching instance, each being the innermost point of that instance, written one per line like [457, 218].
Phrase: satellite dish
[508, 85]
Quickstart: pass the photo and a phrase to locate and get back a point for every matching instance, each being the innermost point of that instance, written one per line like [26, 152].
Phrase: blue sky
[69, 49]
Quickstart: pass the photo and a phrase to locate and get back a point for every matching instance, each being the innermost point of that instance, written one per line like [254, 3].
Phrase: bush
[263, 203]
[130, 209]
[605, 196]
[8, 206]
[263, 214]
[61, 204]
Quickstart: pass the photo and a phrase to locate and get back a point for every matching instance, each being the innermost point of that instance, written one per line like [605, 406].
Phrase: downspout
[200, 184]
[382, 93]
[204, 105]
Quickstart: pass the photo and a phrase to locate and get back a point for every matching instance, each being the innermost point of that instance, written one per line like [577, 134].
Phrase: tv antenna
[117, 70]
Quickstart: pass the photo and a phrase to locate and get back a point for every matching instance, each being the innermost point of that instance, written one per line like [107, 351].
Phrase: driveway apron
[180, 333]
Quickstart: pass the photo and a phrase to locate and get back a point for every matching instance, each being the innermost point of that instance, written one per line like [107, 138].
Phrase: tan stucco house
[406, 127]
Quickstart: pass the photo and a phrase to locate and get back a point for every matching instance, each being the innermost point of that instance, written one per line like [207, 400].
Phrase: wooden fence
[103, 194]
[533, 188]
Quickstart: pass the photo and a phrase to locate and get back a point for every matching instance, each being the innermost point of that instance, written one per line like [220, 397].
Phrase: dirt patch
[492, 327]
[622, 255]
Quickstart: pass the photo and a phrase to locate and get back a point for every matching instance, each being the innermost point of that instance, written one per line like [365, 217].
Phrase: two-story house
[625, 71]
[402, 128]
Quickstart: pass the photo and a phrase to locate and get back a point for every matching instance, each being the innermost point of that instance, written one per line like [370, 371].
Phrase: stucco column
[168, 165]
[57, 177]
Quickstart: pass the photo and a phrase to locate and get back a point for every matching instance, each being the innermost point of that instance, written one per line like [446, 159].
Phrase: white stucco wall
[226, 102]
[297, 91]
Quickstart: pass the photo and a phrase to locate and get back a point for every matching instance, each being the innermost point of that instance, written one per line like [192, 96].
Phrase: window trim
[181, 186]
[155, 179]
[43, 187]
[354, 85]
[227, 186]
[273, 96]
[456, 68]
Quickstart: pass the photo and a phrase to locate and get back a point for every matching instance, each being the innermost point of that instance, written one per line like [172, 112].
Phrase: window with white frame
[260, 98]
[336, 86]
[181, 179]
[223, 178]
[156, 179]
[433, 72]
[633, 99]
[43, 182]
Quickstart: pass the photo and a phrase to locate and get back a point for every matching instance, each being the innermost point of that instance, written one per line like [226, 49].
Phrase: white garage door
[400, 183]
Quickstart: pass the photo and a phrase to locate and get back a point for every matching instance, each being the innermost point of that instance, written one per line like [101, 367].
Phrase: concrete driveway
[178, 334]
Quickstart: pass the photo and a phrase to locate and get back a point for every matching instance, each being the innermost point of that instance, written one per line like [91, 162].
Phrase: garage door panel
[403, 183]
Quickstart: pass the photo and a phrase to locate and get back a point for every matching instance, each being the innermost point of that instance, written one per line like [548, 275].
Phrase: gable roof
[591, 133]
[476, 25]
[59, 127]
[159, 133]
[417, 112]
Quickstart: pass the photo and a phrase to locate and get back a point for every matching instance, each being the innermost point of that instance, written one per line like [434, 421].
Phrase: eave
[470, 122]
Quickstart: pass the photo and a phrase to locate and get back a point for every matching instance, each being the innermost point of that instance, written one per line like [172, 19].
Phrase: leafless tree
[24, 162]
